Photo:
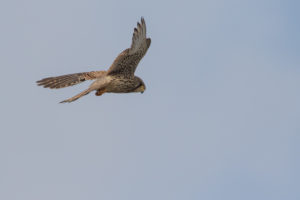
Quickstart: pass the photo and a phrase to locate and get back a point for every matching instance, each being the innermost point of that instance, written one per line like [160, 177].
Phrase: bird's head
[140, 85]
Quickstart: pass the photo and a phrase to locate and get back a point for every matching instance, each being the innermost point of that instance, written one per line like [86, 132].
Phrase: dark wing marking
[126, 62]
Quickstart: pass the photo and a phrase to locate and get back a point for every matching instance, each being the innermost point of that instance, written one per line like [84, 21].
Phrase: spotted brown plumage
[69, 80]
[119, 78]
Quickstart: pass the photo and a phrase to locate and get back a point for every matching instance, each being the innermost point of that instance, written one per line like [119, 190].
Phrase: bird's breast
[120, 85]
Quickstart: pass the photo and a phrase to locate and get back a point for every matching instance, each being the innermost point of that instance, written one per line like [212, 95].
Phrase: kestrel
[119, 78]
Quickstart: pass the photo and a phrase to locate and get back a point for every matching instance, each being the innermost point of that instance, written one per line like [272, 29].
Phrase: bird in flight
[119, 78]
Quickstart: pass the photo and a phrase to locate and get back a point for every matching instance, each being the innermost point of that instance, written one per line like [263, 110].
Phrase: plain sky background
[220, 118]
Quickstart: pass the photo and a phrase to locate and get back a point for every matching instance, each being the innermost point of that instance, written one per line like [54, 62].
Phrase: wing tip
[64, 101]
[148, 42]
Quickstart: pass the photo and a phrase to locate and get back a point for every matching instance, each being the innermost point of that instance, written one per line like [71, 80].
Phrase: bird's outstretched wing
[69, 79]
[126, 62]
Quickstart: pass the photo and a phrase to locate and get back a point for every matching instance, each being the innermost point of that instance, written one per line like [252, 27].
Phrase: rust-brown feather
[69, 79]
[127, 61]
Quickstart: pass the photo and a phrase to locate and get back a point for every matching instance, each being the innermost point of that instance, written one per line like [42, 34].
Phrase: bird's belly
[120, 86]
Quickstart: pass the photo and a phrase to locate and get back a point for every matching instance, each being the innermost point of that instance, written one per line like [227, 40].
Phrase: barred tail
[69, 80]
[85, 92]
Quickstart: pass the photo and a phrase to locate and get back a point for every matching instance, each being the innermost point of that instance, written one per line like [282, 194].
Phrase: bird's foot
[100, 92]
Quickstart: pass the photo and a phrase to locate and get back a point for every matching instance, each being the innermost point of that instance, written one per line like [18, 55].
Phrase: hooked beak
[143, 88]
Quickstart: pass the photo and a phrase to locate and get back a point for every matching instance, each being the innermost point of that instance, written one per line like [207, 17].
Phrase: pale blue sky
[219, 118]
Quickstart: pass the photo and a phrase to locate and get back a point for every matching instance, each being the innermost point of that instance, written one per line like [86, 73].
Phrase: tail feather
[85, 92]
[61, 81]
[69, 79]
